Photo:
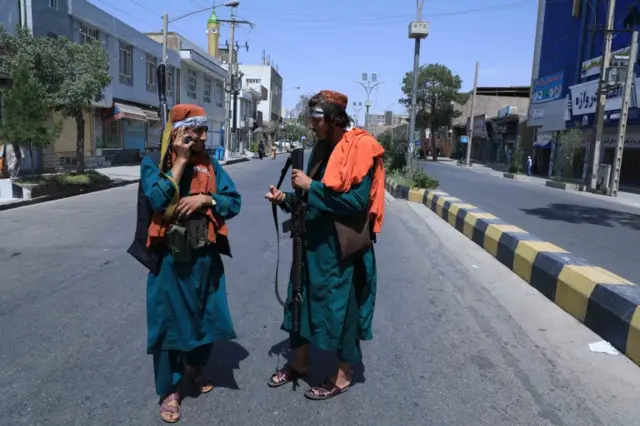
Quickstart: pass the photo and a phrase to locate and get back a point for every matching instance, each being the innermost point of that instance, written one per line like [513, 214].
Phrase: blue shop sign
[546, 89]
[464, 139]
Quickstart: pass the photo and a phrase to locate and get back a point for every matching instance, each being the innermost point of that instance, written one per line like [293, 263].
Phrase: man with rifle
[343, 211]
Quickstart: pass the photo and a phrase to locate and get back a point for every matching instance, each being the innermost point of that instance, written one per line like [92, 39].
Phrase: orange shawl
[350, 162]
[202, 181]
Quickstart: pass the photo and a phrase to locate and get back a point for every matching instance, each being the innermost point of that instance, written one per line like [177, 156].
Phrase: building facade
[199, 80]
[567, 59]
[255, 76]
[247, 118]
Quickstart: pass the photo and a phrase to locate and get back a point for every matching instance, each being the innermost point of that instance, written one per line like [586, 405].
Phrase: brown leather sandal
[285, 375]
[170, 413]
[325, 390]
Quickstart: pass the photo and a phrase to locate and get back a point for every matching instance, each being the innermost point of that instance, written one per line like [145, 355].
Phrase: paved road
[604, 233]
[459, 340]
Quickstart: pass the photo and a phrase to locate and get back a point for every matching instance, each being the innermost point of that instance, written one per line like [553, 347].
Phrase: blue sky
[328, 44]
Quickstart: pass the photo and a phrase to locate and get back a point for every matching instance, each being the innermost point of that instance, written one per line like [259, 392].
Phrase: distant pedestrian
[192, 197]
[274, 150]
[11, 157]
[529, 164]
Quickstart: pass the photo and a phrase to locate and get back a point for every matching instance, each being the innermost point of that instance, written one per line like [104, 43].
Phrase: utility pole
[473, 113]
[602, 95]
[624, 115]
[230, 87]
[418, 30]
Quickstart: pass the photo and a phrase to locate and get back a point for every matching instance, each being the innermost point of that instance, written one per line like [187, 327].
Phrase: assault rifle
[296, 226]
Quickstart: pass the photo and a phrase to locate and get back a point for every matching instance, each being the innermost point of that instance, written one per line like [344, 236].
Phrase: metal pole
[165, 39]
[473, 107]
[366, 114]
[231, 74]
[602, 98]
[624, 115]
[414, 96]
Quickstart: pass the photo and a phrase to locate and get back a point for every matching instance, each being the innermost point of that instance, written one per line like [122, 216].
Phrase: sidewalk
[120, 175]
[624, 197]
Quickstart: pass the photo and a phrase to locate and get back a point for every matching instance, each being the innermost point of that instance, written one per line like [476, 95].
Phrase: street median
[603, 301]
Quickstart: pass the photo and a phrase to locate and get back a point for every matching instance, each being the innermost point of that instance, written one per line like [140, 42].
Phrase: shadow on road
[572, 213]
[225, 359]
[323, 363]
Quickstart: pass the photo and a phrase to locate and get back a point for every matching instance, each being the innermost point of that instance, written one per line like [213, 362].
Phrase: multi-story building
[200, 80]
[266, 76]
[566, 67]
[247, 118]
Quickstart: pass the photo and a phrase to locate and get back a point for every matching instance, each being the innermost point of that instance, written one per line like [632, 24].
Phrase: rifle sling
[274, 210]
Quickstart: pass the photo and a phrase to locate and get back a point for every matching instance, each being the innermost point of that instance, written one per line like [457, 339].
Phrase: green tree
[27, 122]
[569, 144]
[69, 76]
[86, 74]
[438, 93]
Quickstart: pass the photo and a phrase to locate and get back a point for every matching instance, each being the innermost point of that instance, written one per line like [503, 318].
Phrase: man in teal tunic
[344, 211]
[187, 307]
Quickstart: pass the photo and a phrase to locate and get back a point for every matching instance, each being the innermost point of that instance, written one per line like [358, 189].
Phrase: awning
[129, 112]
[152, 115]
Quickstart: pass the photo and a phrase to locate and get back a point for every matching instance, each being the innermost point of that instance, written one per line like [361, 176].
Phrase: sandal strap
[172, 397]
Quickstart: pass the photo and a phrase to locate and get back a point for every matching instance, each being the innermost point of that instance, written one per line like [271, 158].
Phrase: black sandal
[285, 375]
[325, 390]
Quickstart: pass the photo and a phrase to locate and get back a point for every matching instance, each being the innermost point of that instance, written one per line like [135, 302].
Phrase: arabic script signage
[584, 98]
[547, 88]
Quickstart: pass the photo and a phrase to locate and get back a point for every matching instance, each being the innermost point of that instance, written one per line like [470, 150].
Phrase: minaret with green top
[213, 34]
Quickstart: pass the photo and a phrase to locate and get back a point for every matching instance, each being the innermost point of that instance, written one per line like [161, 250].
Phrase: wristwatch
[213, 201]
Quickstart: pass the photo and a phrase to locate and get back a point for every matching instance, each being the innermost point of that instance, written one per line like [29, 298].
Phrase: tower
[213, 34]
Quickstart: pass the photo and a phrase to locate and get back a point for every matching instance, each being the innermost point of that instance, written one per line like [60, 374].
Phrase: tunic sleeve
[158, 187]
[228, 200]
[286, 204]
[350, 203]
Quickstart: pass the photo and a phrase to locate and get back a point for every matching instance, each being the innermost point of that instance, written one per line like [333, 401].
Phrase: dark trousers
[168, 367]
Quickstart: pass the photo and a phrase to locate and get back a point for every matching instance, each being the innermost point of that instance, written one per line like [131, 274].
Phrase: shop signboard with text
[548, 88]
[592, 66]
[584, 98]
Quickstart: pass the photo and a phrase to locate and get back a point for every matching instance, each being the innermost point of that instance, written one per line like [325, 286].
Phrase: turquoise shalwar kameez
[338, 296]
[187, 307]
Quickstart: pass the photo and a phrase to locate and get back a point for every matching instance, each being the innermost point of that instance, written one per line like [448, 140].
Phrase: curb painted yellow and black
[603, 301]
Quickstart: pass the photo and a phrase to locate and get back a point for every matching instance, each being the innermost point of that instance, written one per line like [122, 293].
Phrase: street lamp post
[418, 30]
[371, 80]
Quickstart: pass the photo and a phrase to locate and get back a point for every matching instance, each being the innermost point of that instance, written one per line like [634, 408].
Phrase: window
[218, 95]
[51, 35]
[53, 4]
[254, 81]
[88, 34]
[170, 73]
[126, 63]
[192, 84]
[151, 73]
[207, 89]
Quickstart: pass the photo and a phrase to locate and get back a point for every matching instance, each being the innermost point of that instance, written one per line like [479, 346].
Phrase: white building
[247, 118]
[266, 76]
[200, 80]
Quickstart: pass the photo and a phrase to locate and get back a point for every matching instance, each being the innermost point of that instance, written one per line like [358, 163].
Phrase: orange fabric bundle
[350, 162]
